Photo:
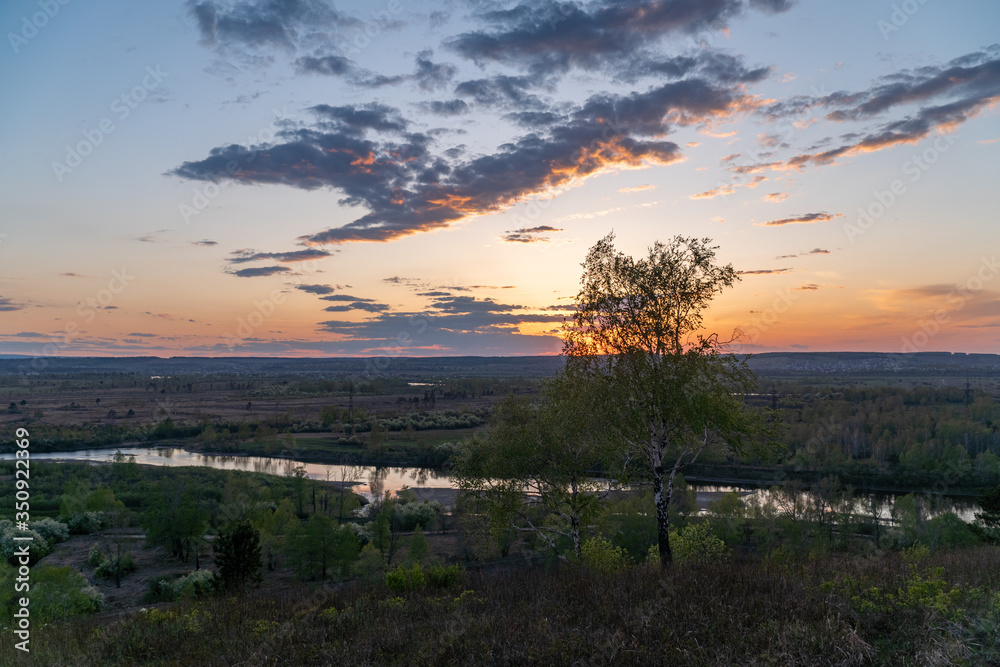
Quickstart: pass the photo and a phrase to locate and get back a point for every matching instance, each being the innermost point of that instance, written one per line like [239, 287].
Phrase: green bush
[404, 579]
[95, 557]
[948, 531]
[197, 584]
[695, 543]
[159, 590]
[56, 592]
[445, 576]
[53, 531]
[8, 545]
[600, 555]
[85, 523]
[106, 569]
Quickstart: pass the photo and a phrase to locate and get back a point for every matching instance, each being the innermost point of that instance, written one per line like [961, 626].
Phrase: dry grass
[745, 613]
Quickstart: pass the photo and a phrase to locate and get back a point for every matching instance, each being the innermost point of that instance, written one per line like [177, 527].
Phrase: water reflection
[382, 479]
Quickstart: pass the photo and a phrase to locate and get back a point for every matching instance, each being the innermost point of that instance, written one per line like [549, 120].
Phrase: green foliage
[411, 578]
[600, 555]
[418, 550]
[56, 593]
[320, 547]
[176, 520]
[445, 576]
[630, 521]
[197, 584]
[238, 556]
[38, 549]
[405, 579]
[51, 530]
[670, 392]
[549, 452]
[114, 568]
[989, 503]
[416, 514]
[695, 543]
[95, 557]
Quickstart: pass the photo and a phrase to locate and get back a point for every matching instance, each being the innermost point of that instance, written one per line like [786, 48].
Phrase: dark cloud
[408, 190]
[446, 316]
[264, 23]
[8, 304]
[142, 335]
[715, 65]
[260, 271]
[808, 218]
[502, 90]
[365, 305]
[325, 65]
[361, 118]
[529, 235]
[534, 119]
[243, 256]
[204, 243]
[557, 36]
[951, 94]
[763, 272]
[346, 297]
[772, 6]
[315, 289]
[814, 251]
[447, 108]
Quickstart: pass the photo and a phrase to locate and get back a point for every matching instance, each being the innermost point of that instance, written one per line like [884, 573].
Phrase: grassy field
[939, 610]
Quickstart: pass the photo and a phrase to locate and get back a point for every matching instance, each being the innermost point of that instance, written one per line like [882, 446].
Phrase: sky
[409, 178]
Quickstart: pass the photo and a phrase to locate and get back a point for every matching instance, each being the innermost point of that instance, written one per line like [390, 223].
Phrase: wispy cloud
[807, 219]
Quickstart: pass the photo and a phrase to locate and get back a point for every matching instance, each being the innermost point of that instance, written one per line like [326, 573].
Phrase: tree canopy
[672, 389]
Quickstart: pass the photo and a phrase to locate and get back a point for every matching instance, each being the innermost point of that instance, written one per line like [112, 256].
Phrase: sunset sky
[399, 177]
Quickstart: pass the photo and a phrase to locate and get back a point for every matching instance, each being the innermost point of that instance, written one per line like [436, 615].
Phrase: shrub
[948, 531]
[85, 523]
[126, 565]
[417, 551]
[52, 530]
[56, 592]
[199, 583]
[445, 576]
[404, 578]
[159, 590]
[95, 557]
[695, 543]
[9, 546]
[410, 515]
[600, 555]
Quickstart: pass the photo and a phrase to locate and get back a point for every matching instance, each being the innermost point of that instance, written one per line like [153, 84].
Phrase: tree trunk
[662, 498]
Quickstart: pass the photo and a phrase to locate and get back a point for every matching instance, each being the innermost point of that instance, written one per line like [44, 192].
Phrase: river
[371, 481]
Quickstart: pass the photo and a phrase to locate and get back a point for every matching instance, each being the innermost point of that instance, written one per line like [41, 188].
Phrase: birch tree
[672, 390]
